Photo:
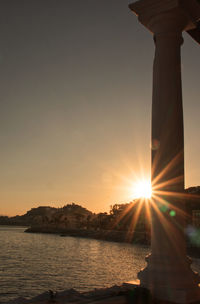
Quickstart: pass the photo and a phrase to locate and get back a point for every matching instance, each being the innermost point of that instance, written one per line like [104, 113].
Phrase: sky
[75, 104]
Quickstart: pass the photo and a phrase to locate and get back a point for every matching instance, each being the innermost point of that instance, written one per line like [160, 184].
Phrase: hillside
[74, 216]
[46, 214]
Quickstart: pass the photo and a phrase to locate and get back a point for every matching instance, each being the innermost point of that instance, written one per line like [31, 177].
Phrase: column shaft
[167, 147]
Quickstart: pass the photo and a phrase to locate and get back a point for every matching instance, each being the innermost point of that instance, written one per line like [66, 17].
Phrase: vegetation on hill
[122, 217]
[46, 214]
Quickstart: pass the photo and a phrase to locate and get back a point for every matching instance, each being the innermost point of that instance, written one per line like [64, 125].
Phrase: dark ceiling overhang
[195, 33]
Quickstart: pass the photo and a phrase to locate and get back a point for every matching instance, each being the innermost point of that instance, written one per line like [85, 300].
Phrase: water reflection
[34, 263]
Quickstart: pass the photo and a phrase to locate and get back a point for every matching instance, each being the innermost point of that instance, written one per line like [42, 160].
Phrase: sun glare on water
[142, 189]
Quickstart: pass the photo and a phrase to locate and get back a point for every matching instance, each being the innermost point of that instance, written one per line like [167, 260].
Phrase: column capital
[161, 16]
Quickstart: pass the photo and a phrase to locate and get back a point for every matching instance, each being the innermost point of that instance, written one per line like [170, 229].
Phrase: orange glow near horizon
[155, 195]
[160, 197]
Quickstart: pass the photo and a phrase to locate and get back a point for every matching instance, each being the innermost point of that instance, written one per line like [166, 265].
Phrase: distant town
[73, 218]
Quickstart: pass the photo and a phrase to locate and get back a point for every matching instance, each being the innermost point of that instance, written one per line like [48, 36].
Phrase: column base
[171, 280]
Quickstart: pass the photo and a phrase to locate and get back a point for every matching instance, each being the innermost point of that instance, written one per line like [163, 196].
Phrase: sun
[142, 189]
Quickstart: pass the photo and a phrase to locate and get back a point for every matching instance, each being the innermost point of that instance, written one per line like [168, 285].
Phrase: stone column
[168, 274]
[167, 170]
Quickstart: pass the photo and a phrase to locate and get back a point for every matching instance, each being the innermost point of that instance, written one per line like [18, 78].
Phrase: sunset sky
[75, 104]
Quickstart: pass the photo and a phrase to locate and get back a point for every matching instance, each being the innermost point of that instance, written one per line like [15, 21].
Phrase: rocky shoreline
[73, 296]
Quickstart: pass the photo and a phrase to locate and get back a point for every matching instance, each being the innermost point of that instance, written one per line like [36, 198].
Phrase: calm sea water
[34, 263]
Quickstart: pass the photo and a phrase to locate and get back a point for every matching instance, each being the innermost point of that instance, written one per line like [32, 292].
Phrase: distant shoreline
[106, 235]
[14, 225]
[137, 238]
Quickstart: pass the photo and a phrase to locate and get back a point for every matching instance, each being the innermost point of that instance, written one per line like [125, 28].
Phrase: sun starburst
[142, 189]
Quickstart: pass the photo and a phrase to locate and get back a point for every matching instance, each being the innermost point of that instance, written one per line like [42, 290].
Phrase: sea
[31, 264]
